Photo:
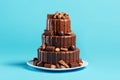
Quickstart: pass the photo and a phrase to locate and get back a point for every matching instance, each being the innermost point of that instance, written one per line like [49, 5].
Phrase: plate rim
[30, 63]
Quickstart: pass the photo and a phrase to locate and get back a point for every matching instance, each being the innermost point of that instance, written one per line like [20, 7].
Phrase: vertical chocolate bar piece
[54, 58]
[71, 56]
[67, 57]
[45, 57]
[54, 41]
[49, 58]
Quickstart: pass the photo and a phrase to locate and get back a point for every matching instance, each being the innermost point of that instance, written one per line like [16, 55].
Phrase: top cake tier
[58, 23]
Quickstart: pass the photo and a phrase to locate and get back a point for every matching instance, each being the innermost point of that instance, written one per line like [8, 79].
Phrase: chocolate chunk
[72, 47]
[74, 64]
[50, 48]
[47, 65]
[63, 63]
[64, 49]
[43, 46]
[40, 64]
[57, 65]
[69, 33]
[63, 17]
[62, 67]
[80, 61]
[53, 66]
[59, 16]
[60, 33]
[57, 49]
[80, 64]
[56, 15]
[35, 61]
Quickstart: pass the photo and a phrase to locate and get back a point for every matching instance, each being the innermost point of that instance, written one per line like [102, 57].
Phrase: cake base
[30, 63]
[59, 64]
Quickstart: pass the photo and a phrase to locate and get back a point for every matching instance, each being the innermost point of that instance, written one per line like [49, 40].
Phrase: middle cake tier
[59, 41]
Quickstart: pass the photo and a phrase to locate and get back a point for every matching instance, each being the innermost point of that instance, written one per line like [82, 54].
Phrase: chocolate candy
[50, 48]
[80, 64]
[63, 67]
[57, 49]
[69, 33]
[43, 46]
[74, 64]
[57, 65]
[63, 63]
[64, 49]
[60, 33]
[61, 15]
[47, 65]
[35, 61]
[53, 66]
[72, 47]
[40, 64]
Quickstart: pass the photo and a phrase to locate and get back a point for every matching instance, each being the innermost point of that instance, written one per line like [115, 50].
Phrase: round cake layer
[52, 57]
[58, 25]
[59, 41]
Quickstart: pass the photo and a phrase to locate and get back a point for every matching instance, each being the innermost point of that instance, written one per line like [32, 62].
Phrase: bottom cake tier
[60, 59]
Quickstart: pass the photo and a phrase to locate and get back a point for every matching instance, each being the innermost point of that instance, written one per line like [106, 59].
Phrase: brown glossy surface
[53, 57]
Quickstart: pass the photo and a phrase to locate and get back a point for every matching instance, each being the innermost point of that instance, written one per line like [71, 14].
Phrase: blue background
[95, 22]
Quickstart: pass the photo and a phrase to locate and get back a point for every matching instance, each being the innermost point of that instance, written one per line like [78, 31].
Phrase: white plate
[30, 63]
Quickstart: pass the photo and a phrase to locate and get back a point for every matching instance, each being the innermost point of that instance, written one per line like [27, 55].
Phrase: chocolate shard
[61, 15]
[47, 65]
[57, 65]
[80, 61]
[63, 63]
[74, 64]
[35, 61]
[40, 64]
[61, 66]
[50, 48]
[53, 66]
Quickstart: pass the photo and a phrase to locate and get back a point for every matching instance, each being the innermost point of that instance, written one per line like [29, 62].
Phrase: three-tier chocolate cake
[58, 48]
